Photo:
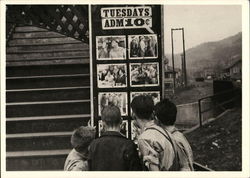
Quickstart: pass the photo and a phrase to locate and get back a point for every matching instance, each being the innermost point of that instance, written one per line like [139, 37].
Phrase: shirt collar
[80, 155]
[170, 128]
[149, 124]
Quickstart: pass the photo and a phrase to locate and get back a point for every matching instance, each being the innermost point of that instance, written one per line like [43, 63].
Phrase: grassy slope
[218, 144]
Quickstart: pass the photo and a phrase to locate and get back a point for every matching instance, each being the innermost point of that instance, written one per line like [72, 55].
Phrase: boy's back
[113, 152]
[187, 157]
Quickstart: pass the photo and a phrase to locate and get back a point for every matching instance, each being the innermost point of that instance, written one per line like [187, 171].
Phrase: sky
[201, 23]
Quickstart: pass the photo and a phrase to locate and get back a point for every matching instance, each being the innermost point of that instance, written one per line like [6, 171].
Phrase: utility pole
[172, 42]
[184, 59]
[184, 56]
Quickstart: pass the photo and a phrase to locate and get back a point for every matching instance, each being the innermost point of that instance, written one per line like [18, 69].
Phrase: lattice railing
[70, 20]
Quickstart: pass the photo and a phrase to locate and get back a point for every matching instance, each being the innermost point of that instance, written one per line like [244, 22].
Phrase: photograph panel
[118, 99]
[124, 128]
[110, 47]
[144, 74]
[154, 94]
[111, 75]
[135, 130]
[143, 46]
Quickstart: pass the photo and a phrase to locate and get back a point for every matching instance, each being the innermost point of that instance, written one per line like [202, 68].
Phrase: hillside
[215, 55]
[217, 144]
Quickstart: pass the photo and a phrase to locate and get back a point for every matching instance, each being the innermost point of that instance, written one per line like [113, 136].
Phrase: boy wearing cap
[113, 151]
[80, 140]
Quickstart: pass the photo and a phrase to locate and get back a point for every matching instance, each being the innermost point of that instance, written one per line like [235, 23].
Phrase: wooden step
[59, 61]
[25, 29]
[16, 71]
[38, 141]
[46, 108]
[36, 34]
[11, 50]
[48, 94]
[48, 56]
[46, 76]
[48, 81]
[72, 46]
[42, 41]
[46, 123]
[36, 160]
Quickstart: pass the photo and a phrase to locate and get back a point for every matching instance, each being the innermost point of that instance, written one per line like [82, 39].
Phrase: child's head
[142, 106]
[82, 137]
[166, 112]
[111, 117]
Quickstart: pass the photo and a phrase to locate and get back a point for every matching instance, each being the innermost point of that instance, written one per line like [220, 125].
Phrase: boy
[80, 140]
[165, 112]
[112, 151]
[156, 150]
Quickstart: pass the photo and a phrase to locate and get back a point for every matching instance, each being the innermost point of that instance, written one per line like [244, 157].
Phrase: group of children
[160, 146]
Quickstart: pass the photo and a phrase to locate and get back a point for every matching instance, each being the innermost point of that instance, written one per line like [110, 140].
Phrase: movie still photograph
[142, 46]
[123, 131]
[111, 47]
[111, 75]
[118, 99]
[135, 130]
[144, 74]
[154, 94]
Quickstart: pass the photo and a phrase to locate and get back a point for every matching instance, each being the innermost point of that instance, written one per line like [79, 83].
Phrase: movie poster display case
[126, 58]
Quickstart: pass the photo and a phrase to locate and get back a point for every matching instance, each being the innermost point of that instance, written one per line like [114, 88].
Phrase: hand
[89, 124]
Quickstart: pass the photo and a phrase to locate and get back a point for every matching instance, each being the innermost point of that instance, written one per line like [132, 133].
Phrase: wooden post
[200, 119]
[184, 59]
[172, 42]
[162, 51]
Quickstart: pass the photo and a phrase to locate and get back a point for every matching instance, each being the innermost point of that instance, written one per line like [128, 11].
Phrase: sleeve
[78, 165]
[159, 154]
[90, 156]
[149, 155]
[132, 159]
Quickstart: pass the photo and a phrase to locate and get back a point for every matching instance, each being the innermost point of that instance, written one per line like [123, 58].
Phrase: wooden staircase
[47, 97]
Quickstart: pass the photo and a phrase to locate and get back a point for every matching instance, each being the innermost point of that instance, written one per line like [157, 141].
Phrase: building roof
[233, 63]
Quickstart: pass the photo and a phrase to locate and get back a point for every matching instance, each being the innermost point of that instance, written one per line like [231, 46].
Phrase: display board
[126, 57]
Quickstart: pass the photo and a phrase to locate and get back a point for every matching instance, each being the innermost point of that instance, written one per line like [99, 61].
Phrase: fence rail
[199, 167]
[220, 100]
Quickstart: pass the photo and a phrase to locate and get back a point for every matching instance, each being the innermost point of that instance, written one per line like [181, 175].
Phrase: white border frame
[245, 173]
[111, 36]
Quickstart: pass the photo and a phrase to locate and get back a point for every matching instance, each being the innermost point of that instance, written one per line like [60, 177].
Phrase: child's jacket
[76, 162]
[113, 152]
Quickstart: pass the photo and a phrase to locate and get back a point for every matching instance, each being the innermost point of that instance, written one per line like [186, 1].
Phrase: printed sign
[126, 17]
[126, 59]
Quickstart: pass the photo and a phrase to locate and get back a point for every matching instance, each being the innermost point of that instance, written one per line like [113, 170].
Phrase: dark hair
[111, 115]
[143, 106]
[166, 112]
[82, 137]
